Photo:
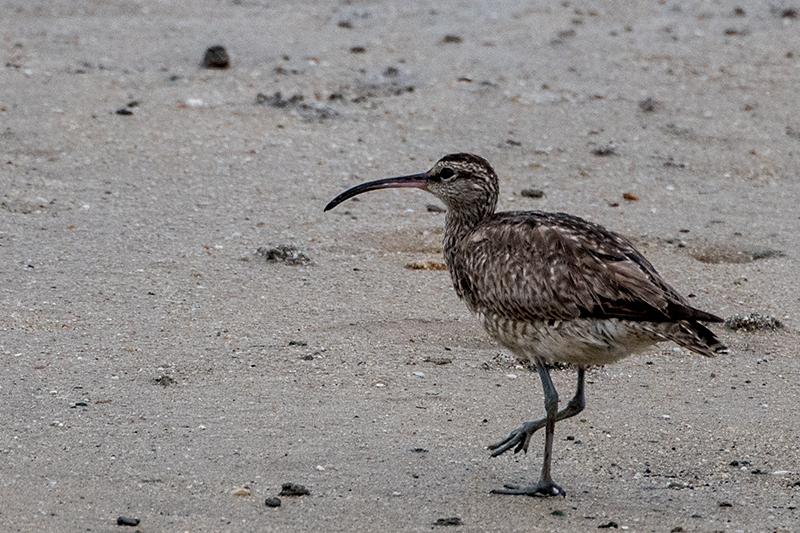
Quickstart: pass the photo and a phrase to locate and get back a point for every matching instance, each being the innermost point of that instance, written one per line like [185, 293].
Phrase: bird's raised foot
[543, 489]
[520, 438]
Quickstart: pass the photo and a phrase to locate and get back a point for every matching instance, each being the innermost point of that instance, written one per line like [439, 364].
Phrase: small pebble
[532, 193]
[452, 521]
[125, 521]
[216, 57]
[272, 502]
[630, 196]
[455, 39]
[420, 374]
[648, 105]
[605, 151]
[240, 491]
[294, 489]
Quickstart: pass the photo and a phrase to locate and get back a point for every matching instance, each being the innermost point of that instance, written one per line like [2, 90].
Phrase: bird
[552, 288]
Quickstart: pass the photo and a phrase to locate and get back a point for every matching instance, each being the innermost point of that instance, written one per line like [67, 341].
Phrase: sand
[154, 366]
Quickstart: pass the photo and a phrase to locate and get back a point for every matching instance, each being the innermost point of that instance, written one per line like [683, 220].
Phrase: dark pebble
[609, 525]
[272, 502]
[725, 504]
[648, 105]
[216, 57]
[358, 50]
[452, 521]
[124, 111]
[455, 39]
[604, 151]
[557, 513]
[125, 521]
[294, 489]
[532, 193]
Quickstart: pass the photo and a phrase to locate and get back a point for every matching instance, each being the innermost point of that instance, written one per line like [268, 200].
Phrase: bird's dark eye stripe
[446, 173]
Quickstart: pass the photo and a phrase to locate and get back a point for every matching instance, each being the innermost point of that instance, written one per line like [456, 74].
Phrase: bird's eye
[446, 173]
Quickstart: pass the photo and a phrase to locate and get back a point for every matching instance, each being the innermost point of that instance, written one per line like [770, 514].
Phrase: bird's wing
[543, 266]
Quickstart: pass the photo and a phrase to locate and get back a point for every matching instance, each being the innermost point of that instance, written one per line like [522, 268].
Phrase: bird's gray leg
[521, 436]
[546, 486]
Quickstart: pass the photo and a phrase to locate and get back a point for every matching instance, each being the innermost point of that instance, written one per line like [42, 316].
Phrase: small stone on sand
[272, 502]
[216, 57]
[294, 489]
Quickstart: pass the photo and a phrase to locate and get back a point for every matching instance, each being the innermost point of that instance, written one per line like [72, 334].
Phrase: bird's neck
[459, 223]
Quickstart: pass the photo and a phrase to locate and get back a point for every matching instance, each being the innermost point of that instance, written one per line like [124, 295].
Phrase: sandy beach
[155, 365]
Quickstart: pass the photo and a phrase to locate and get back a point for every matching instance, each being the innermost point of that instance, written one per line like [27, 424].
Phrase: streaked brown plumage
[550, 287]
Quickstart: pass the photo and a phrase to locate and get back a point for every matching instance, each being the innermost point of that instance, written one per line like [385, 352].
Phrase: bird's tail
[694, 336]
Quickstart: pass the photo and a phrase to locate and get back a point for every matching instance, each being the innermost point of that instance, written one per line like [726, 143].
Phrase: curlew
[551, 288]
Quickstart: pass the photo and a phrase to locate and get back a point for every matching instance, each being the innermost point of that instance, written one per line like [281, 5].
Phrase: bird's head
[463, 182]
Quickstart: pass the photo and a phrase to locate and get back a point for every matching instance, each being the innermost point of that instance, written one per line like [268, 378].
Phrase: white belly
[579, 342]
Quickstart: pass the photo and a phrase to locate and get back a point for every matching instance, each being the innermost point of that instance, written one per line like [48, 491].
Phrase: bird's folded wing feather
[543, 266]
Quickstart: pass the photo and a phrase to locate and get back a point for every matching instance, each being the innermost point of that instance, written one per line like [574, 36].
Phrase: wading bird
[551, 288]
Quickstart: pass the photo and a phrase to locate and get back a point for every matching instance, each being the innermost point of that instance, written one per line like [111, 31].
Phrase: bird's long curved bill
[416, 181]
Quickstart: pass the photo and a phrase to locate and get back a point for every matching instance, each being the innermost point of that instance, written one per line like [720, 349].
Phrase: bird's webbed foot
[520, 438]
[543, 489]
